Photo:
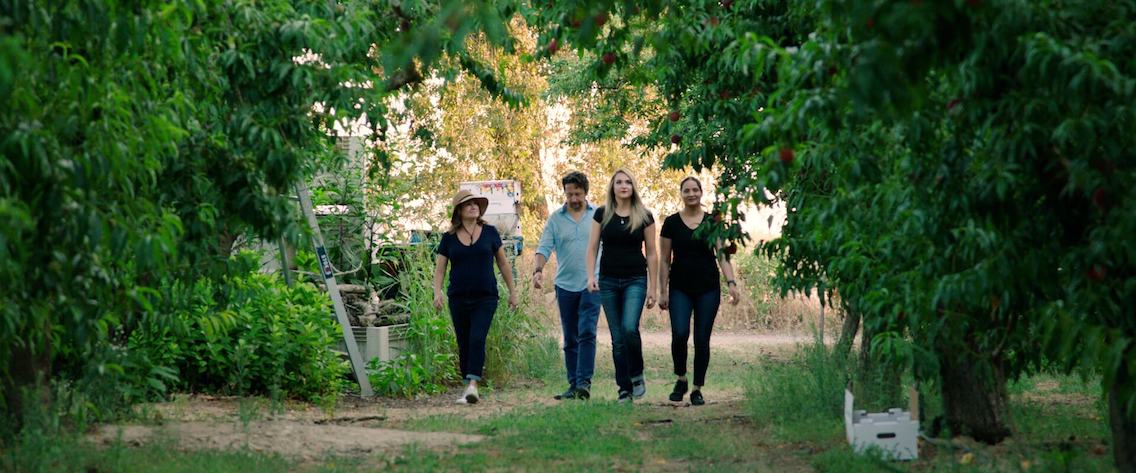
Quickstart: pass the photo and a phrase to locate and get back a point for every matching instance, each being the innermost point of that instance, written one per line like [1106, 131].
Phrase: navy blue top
[471, 266]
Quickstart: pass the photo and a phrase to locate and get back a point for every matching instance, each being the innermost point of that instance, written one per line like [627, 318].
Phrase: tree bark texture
[975, 401]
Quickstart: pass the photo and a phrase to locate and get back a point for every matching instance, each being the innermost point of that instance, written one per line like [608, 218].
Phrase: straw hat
[464, 196]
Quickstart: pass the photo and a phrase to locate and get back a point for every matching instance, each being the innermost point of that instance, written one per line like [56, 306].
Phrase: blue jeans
[472, 318]
[623, 300]
[705, 309]
[579, 314]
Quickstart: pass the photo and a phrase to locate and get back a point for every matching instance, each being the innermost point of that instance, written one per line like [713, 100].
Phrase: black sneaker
[696, 398]
[679, 390]
[582, 394]
[569, 394]
[624, 397]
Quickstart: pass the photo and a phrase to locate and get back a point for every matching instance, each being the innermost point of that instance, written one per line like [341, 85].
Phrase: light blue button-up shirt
[569, 239]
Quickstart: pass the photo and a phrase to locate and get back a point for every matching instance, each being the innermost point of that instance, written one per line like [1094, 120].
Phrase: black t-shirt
[622, 248]
[471, 266]
[694, 269]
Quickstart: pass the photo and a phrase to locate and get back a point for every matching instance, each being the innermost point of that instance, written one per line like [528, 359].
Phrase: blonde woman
[627, 276]
[470, 248]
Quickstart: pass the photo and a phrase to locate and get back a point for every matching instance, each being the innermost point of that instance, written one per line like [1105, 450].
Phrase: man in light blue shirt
[566, 234]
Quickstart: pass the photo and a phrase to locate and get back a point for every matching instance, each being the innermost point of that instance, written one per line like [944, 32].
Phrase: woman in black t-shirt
[690, 269]
[626, 276]
[470, 247]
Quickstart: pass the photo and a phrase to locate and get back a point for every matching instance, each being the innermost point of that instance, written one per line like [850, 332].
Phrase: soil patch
[287, 438]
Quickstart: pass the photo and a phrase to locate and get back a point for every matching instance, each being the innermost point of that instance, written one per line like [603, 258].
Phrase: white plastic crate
[895, 432]
[384, 343]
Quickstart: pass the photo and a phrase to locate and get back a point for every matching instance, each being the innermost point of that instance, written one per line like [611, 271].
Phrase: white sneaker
[470, 395]
[461, 400]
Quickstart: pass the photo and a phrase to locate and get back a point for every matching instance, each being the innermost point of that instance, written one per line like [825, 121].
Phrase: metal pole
[285, 266]
[820, 291]
[333, 290]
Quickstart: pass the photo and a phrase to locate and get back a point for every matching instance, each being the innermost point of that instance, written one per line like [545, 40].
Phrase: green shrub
[249, 335]
[408, 375]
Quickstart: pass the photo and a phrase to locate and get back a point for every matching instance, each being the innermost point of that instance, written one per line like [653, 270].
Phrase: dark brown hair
[575, 177]
[456, 221]
[690, 178]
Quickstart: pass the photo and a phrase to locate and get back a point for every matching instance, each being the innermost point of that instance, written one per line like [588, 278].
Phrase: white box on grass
[894, 432]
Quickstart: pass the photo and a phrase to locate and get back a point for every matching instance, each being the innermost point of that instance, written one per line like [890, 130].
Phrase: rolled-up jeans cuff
[472, 377]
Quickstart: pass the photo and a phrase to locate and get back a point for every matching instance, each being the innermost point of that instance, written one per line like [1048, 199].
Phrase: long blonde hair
[639, 212]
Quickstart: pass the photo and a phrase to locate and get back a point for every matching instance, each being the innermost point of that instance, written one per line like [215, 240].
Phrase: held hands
[513, 300]
[438, 301]
[593, 286]
[537, 277]
[735, 296]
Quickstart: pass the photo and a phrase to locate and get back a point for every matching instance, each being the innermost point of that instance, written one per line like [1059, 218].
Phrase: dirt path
[733, 341]
[365, 426]
[306, 441]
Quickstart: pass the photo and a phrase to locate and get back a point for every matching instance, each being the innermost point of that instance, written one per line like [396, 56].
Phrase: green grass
[43, 451]
[599, 435]
[1059, 422]
[790, 420]
[163, 458]
[802, 398]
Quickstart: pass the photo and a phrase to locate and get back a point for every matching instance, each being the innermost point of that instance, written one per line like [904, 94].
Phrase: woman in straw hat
[470, 247]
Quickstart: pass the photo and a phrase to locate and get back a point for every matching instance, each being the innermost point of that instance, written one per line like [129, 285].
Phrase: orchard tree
[454, 130]
[960, 172]
[450, 129]
[603, 117]
[140, 137]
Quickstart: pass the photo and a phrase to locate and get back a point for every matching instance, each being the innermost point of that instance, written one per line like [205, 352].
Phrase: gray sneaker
[638, 388]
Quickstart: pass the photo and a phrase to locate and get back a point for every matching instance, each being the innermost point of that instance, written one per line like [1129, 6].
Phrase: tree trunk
[28, 374]
[848, 332]
[1122, 422]
[225, 242]
[866, 345]
[975, 401]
